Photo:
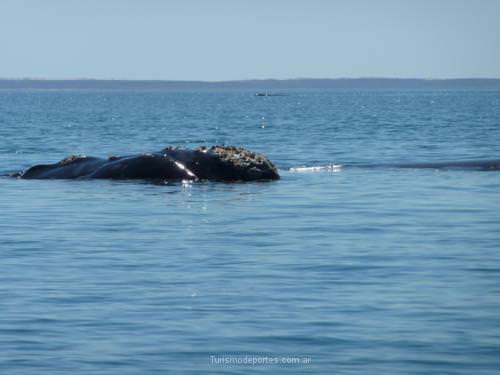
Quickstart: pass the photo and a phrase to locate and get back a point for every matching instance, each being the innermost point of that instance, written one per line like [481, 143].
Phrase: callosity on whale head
[225, 163]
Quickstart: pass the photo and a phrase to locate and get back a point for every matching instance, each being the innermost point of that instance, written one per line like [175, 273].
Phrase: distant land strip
[256, 85]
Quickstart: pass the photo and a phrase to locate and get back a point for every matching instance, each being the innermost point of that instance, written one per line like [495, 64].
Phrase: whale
[215, 163]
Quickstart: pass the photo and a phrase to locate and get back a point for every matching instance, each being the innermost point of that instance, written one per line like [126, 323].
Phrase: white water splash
[321, 168]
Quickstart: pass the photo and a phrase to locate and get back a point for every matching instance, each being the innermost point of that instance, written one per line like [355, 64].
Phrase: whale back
[73, 166]
[147, 167]
[218, 163]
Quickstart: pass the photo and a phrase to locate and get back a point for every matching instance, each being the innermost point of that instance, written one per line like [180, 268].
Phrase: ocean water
[329, 270]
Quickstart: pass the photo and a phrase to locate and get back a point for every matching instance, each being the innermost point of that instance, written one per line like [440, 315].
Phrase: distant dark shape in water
[267, 94]
[218, 163]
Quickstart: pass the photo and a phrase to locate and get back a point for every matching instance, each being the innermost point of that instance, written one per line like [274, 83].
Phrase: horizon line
[248, 79]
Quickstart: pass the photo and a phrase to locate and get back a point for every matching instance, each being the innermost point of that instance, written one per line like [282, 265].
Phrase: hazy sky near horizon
[236, 39]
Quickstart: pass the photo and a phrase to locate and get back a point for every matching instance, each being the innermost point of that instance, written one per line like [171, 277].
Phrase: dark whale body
[218, 163]
[479, 165]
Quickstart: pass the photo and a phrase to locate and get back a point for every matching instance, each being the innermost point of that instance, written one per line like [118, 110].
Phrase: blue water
[350, 271]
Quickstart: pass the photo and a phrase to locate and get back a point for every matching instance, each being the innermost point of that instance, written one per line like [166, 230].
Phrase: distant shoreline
[256, 85]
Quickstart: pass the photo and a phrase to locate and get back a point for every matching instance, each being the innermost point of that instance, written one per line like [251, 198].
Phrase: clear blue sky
[235, 39]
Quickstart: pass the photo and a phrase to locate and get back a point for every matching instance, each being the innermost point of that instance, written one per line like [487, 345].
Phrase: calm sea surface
[338, 271]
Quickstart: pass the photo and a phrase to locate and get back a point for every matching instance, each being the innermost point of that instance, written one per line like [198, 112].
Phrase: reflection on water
[365, 270]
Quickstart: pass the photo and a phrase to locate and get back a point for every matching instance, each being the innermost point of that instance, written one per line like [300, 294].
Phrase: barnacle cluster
[240, 157]
[72, 159]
